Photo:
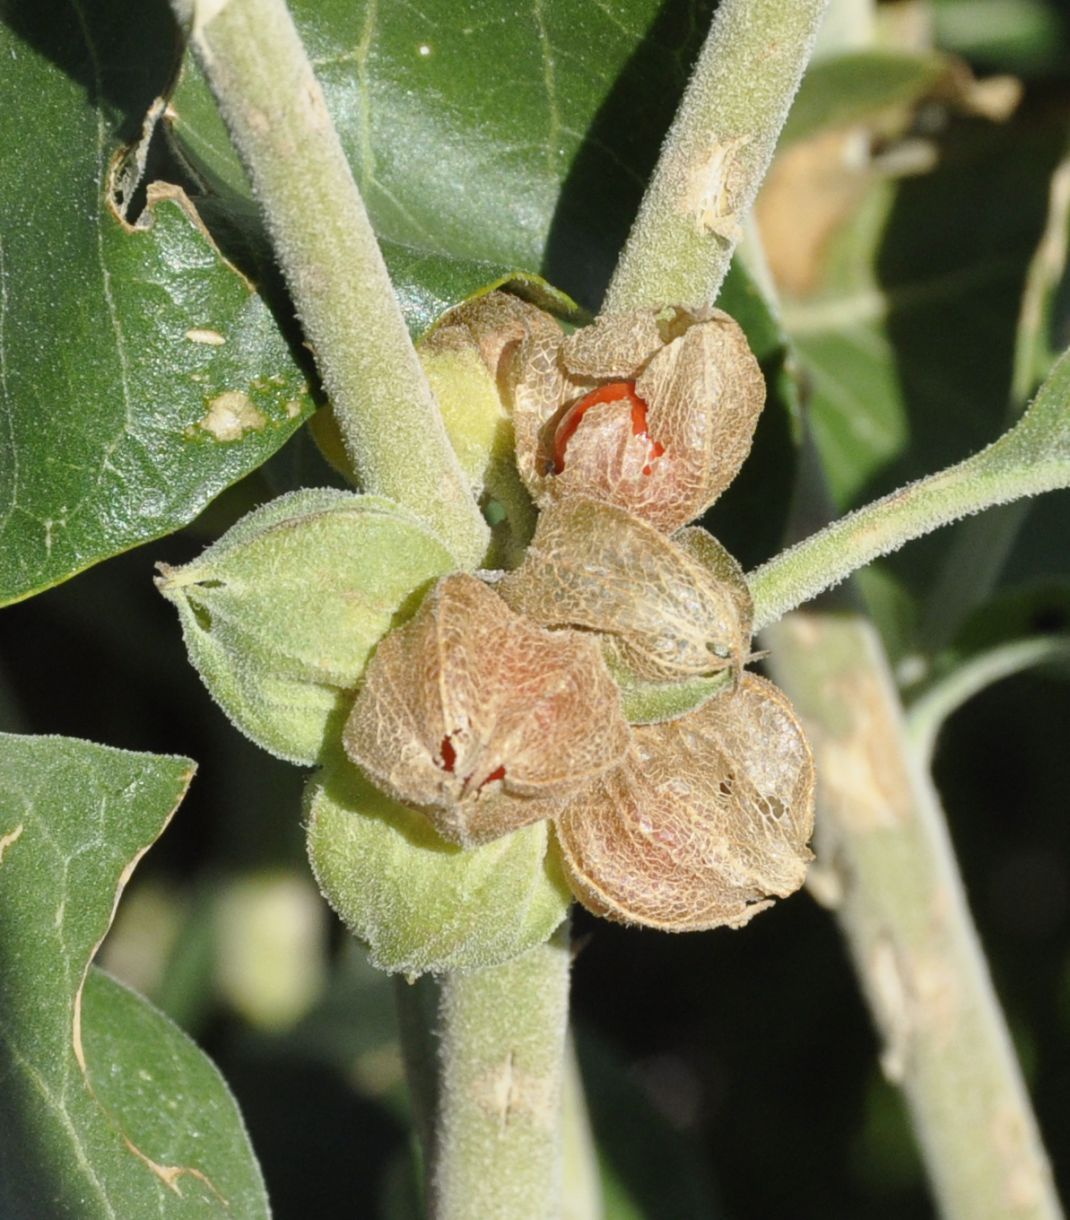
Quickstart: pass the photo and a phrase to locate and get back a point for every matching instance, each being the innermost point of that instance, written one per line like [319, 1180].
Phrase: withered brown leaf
[679, 394]
[708, 817]
[668, 608]
[483, 720]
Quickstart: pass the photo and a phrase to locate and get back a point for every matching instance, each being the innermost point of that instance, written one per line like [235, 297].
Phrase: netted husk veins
[652, 411]
[666, 608]
[481, 719]
[705, 822]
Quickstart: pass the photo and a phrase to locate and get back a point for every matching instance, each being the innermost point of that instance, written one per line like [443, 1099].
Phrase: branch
[1033, 457]
[274, 109]
[886, 862]
[969, 677]
[497, 1149]
[716, 154]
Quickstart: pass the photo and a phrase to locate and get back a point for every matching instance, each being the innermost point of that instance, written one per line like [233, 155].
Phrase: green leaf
[1024, 36]
[906, 328]
[420, 904]
[908, 333]
[141, 374]
[279, 616]
[495, 136]
[109, 1109]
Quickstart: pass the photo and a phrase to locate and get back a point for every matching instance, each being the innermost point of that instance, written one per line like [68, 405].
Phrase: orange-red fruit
[481, 719]
[705, 822]
[694, 391]
[617, 392]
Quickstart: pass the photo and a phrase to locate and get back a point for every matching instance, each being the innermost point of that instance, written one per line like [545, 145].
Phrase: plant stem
[716, 154]
[580, 1171]
[274, 109]
[415, 1001]
[1034, 456]
[971, 676]
[881, 835]
[885, 859]
[497, 1149]
[980, 549]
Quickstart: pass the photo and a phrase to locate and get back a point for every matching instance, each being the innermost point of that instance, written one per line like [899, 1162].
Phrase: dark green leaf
[485, 137]
[109, 1109]
[907, 336]
[141, 374]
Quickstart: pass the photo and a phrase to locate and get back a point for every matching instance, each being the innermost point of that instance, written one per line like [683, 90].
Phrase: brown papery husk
[668, 609]
[703, 391]
[504, 694]
[706, 821]
[496, 323]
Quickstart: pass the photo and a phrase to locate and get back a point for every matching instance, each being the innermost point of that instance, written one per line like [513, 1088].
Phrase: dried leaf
[668, 609]
[652, 411]
[483, 720]
[707, 818]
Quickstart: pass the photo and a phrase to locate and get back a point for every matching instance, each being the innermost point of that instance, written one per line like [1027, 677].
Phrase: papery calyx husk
[705, 822]
[668, 609]
[652, 411]
[468, 358]
[482, 720]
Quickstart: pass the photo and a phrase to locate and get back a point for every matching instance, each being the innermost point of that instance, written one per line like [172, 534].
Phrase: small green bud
[420, 904]
[280, 614]
[469, 357]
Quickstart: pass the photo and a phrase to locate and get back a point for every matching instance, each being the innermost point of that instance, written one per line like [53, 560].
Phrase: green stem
[501, 1047]
[274, 109]
[886, 864]
[415, 1001]
[716, 154]
[971, 676]
[1033, 457]
[980, 549]
[580, 1170]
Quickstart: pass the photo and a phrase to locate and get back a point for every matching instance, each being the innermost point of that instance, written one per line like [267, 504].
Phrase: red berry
[614, 391]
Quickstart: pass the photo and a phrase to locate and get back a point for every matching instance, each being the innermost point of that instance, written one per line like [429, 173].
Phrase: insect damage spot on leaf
[170, 1174]
[6, 840]
[198, 334]
[230, 416]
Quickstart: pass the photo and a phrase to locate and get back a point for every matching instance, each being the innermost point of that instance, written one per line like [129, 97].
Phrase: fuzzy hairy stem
[498, 1135]
[886, 864]
[1033, 457]
[716, 154]
[274, 109]
[881, 834]
[973, 675]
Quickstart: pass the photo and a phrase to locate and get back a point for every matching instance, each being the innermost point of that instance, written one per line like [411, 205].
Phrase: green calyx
[420, 904]
[280, 615]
